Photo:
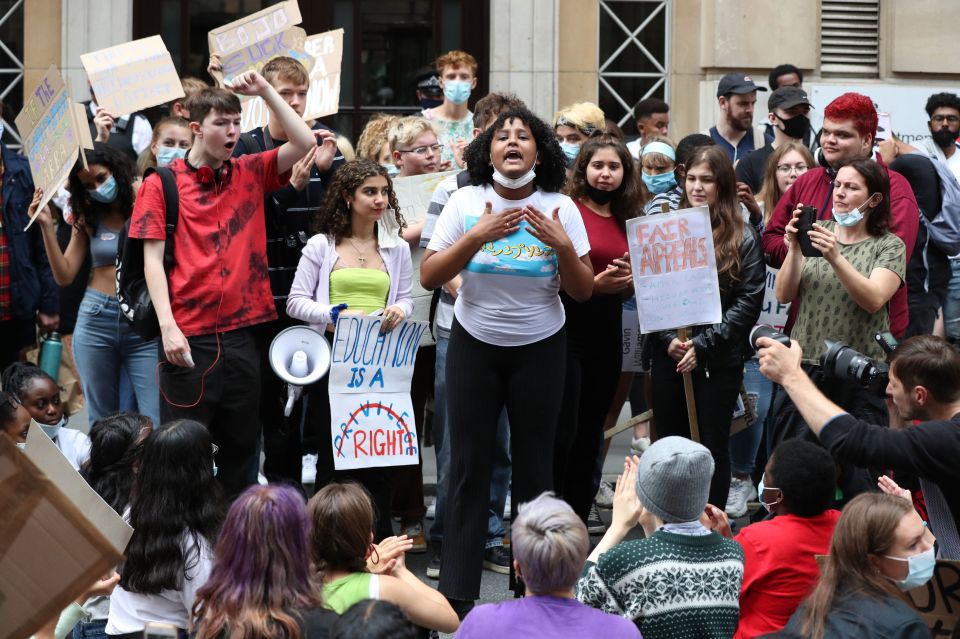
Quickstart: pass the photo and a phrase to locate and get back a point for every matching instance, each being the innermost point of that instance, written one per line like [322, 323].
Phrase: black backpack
[132, 292]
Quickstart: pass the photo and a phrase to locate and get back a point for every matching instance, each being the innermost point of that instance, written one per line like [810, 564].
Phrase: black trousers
[482, 379]
[17, 335]
[226, 400]
[715, 398]
[377, 481]
[594, 360]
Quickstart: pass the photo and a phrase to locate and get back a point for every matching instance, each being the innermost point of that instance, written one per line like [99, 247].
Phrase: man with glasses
[944, 125]
[788, 110]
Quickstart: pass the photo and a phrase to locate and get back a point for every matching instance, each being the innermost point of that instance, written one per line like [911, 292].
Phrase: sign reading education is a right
[674, 269]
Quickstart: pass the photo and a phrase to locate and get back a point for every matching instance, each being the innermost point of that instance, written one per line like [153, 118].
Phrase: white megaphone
[299, 355]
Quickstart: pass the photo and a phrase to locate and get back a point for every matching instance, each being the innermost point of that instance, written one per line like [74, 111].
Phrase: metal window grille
[850, 37]
[11, 65]
[634, 60]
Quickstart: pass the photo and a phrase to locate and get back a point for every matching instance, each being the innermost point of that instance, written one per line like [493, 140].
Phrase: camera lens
[763, 330]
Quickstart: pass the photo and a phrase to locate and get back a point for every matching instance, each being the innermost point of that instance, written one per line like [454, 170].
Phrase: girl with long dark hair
[104, 344]
[261, 584]
[517, 242]
[175, 512]
[713, 354]
[116, 446]
[605, 188]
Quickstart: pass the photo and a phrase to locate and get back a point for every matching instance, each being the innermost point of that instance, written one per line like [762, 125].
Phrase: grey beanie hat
[673, 480]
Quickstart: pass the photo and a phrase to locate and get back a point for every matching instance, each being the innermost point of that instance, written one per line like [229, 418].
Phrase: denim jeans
[744, 445]
[951, 305]
[500, 482]
[90, 629]
[103, 346]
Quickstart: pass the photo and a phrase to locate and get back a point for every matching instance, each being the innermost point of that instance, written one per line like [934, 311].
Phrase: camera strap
[826, 202]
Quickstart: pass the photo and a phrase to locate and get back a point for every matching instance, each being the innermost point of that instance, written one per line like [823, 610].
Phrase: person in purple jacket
[550, 546]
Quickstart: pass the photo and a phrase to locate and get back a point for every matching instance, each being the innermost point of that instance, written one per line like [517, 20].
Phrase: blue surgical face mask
[53, 431]
[850, 218]
[392, 170]
[457, 91]
[167, 154]
[919, 569]
[106, 192]
[570, 152]
[660, 183]
[760, 488]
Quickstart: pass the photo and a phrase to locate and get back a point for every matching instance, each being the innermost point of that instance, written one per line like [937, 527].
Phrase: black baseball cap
[737, 83]
[787, 98]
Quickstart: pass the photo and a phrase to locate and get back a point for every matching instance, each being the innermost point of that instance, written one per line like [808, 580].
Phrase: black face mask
[795, 127]
[603, 197]
[944, 138]
[429, 103]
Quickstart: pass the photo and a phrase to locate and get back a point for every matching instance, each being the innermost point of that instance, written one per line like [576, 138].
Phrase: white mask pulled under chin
[514, 183]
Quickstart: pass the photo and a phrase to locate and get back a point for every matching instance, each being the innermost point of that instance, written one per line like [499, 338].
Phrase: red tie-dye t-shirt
[219, 280]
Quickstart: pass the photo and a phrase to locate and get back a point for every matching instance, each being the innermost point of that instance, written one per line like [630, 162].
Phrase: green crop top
[361, 289]
[340, 594]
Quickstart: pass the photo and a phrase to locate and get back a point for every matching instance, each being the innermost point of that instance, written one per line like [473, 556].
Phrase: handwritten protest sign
[132, 76]
[52, 134]
[630, 337]
[372, 420]
[773, 313]
[325, 55]
[256, 27]
[290, 43]
[674, 269]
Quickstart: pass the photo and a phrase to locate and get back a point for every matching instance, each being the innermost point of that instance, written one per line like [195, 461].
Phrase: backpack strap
[251, 143]
[171, 201]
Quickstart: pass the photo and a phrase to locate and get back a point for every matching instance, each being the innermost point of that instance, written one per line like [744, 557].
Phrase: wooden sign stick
[688, 394]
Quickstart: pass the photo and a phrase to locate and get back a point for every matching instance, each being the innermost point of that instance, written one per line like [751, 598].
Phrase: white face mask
[514, 183]
[768, 506]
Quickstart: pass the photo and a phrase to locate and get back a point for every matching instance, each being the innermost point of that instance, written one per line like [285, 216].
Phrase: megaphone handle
[293, 392]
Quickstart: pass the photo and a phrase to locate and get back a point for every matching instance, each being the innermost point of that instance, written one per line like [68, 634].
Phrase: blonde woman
[572, 126]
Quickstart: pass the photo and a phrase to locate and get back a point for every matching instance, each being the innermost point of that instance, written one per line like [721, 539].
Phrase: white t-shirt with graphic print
[509, 295]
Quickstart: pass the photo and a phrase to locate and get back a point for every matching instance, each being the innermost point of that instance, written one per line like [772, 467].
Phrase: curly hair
[552, 170]
[334, 218]
[856, 107]
[940, 100]
[629, 202]
[374, 136]
[87, 210]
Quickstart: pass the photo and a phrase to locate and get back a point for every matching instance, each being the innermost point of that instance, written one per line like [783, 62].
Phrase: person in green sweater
[681, 581]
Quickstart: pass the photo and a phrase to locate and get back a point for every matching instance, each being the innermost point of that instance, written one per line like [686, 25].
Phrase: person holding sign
[219, 286]
[606, 190]
[857, 592]
[104, 344]
[344, 270]
[862, 266]
[516, 241]
[716, 353]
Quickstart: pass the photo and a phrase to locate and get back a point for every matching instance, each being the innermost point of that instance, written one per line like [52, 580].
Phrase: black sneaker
[497, 559]
[433, 568]
[595, 525]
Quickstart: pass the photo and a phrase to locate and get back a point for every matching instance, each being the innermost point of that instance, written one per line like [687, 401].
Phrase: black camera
[764, 330]
[842, 362]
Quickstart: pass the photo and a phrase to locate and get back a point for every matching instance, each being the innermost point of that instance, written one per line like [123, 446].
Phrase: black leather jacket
[724, 345]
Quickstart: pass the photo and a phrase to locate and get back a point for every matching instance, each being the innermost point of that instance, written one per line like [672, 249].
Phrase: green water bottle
[50, 355]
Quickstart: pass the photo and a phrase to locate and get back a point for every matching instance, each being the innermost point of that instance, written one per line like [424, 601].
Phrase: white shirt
[634, 147]
[74, 445]
[509, 295]
[142, 133]
[130, 612]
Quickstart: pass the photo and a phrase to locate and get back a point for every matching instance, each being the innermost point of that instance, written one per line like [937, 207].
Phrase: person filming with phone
[846, 270]
[924, 385]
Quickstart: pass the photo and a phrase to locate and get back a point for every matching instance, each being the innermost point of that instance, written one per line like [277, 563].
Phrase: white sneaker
[604, 498]
[432, 510]
[507, 508]
[741, 491]
[309, 473]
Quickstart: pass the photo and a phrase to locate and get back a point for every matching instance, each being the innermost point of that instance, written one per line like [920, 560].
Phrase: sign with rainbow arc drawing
[372, 419]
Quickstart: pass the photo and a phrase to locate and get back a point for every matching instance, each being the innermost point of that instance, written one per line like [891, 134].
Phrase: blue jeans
[951, 305]
[103, 346]
[90, 630]
[744, 445]
[500, 482]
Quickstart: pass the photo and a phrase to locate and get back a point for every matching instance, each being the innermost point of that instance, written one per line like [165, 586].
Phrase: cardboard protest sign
[132, 76]
[56, 535]
[256, 27]
[372, 420]
[773, 313]
[630, 338]
[52, 134]
[674, 269]
[290, 43]
[325, 55]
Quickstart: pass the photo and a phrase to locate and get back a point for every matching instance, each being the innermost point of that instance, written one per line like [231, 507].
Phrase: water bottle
[50, 355]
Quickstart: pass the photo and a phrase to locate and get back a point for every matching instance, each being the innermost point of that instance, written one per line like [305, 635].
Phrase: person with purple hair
[261, 583]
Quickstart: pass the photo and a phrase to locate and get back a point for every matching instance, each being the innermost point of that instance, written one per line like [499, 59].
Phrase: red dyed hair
[856, 107]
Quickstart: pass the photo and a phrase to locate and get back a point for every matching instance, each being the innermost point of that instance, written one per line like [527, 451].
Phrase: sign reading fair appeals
[371, 413]
[674, 269]
[50, 127]
[132, 76]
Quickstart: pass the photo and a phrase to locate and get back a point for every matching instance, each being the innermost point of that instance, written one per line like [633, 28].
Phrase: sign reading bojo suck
[372, 420]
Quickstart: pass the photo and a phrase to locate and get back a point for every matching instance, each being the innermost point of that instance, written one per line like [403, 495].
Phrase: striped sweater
[670, 585]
